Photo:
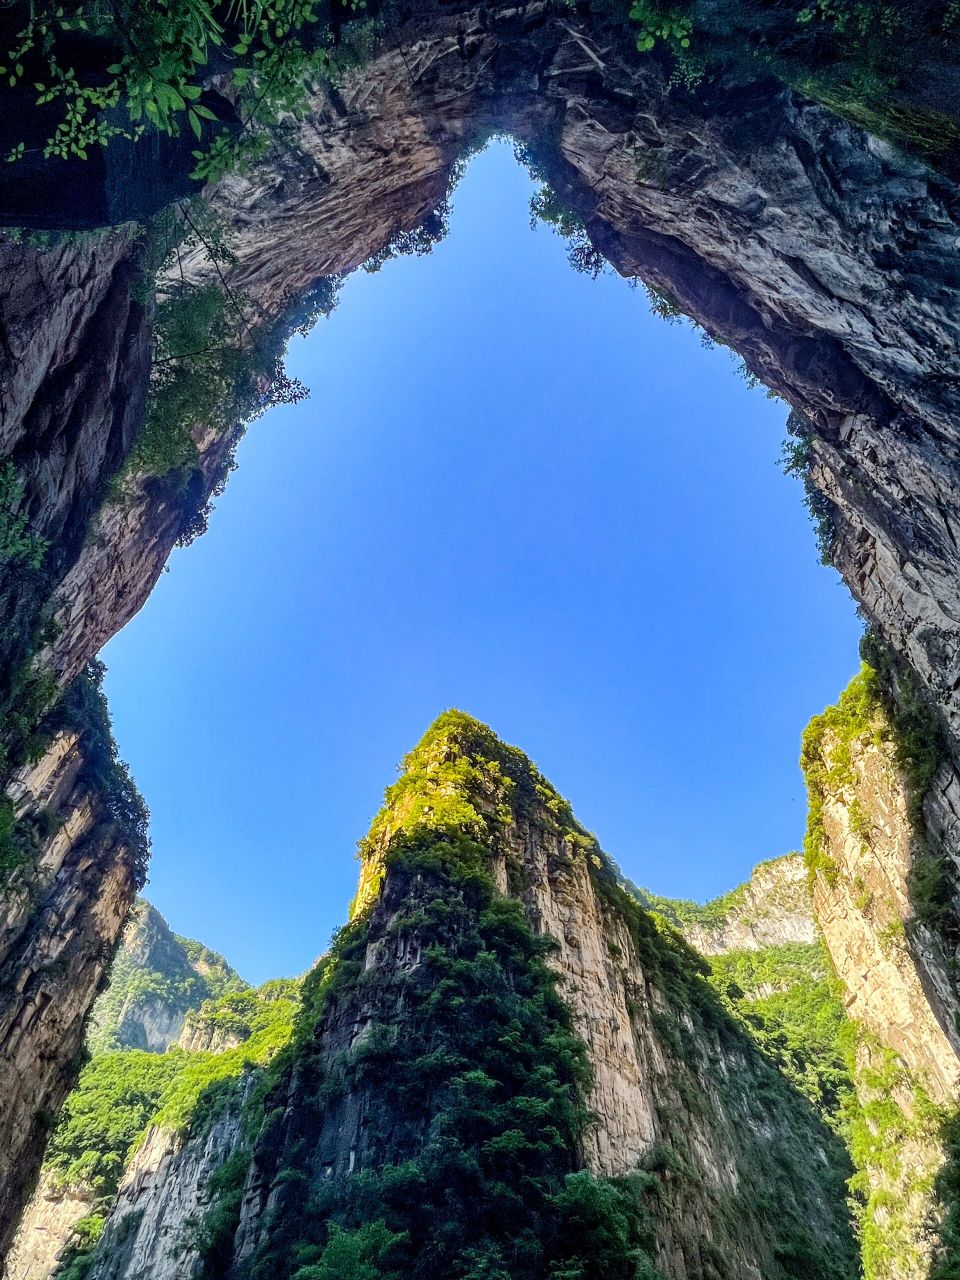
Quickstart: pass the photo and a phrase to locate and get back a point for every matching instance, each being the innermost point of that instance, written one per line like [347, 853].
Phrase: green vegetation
[797, 458]
[894, 1138]
[22, 838]
[683, 911]
[828, 769]
[205, 1085]
[468, 1072]
[884, 704]
[106, 1115]
[18, 543]
[946, 1265]
[790, 1002]
[122, 1094]
[470, 1161]
[862, 59]
[217, 362]
[154, 966]
[83, 710]
[920, 748]
[99, 73]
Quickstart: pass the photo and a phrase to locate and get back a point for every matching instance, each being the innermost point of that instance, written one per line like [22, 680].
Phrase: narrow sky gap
[516, 491]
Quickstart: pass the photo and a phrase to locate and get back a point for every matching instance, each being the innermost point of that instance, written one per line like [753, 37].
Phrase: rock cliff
[156, 980]
[772, 908]
[820, 253]
[155, 1226]
[676, 1090]
[865, 843]
[142, 1133]
[75, 854]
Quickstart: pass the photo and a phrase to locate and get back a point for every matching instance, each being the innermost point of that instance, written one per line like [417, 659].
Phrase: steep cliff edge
[139, 1138]
[820, 253]
[435, 1091]
[74, 851]
[880, 899]
[772, 908]
[156, 980]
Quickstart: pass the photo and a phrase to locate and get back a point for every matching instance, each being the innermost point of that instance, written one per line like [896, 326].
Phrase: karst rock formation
[826, 256]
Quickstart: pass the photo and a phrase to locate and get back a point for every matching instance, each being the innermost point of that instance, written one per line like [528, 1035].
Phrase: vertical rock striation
[62, 917]
[823, 256]
[676, 1089]
[157, 979]
[863, 847]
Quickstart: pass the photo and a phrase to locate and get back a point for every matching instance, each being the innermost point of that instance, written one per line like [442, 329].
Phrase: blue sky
[516, 491]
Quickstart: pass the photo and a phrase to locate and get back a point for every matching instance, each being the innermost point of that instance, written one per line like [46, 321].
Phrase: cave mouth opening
[724, 208]
[543, 507]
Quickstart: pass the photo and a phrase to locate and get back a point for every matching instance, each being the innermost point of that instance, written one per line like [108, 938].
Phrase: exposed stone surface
[897, 988]
[886, 961]
[74, 363]
[147, 1236]
[825, 258]
[705, 1103]
[60, 921]
[45, 1229]
[773, 907]
[157, 979]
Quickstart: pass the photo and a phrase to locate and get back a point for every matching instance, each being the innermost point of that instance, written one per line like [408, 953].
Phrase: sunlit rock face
[825, 258]
[46, 1227]
[772, 908]
[898, 983]
[157, 981]
[666, 1085]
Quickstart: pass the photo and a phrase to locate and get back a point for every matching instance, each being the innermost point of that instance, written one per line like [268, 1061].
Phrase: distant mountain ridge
[772, 908]
[157, 978]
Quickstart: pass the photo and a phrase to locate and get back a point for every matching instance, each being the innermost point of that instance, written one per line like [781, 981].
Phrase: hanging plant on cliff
[101, 71]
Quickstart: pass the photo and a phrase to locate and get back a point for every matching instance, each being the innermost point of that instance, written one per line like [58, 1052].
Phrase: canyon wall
[822, 255]
[157, 980]
[677, 1089]
[80, 851]
[866, 844]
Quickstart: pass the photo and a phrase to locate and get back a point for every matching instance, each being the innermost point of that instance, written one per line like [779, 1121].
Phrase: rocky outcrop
[863, 845]
[156, 980]
[772, 908]
[151, 1232]
[45, 1230]
[74, 367]
[773, 223]
[62, 916]
[824, 257]
[669, 1083]
[890, 967]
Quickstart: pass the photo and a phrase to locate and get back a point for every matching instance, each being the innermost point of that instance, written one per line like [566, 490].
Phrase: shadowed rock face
[59, 923]
[826, 259]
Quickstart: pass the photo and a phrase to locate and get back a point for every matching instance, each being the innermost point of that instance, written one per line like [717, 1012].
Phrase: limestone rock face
[897, 984]
[705, 1102]
[773, 907]
[157, 979]
[165, 1189]
[200, 1036]
[60, 921]
[825, 258]
[46, 1227]
[887, 962]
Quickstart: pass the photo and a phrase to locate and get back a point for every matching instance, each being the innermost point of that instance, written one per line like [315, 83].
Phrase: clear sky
[515, 491]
